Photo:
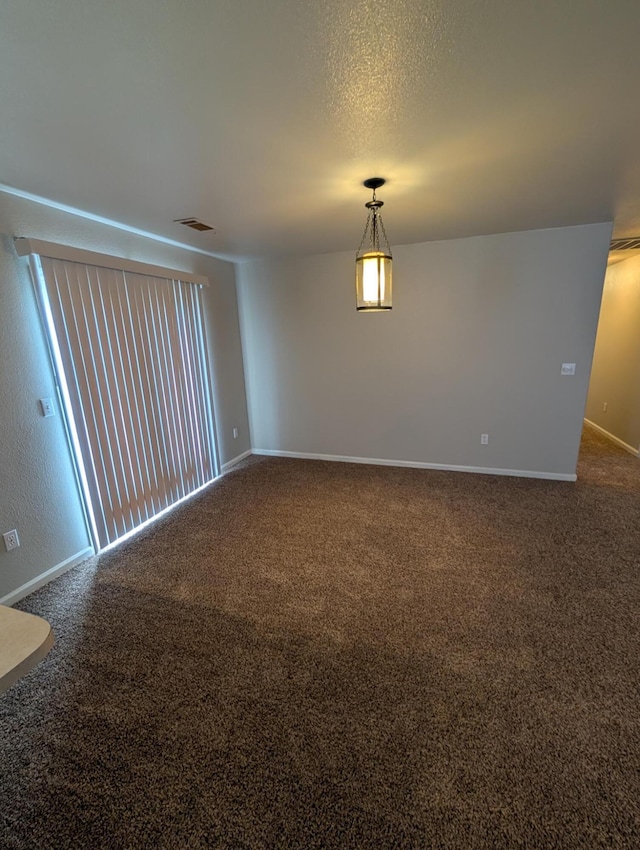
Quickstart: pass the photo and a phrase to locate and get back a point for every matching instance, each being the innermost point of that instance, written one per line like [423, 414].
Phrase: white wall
[474, 344]
[615, 374]
[38, 493]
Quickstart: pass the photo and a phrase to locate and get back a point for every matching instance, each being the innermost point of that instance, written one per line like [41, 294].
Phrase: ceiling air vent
[632, 243]
[193, 223]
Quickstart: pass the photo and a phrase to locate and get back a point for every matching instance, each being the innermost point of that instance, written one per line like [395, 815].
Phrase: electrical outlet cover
[11, 540]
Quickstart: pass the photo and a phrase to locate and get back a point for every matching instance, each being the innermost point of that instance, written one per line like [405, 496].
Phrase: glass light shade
[373, 281]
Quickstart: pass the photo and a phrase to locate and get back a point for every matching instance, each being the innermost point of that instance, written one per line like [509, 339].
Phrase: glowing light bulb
[373, 277]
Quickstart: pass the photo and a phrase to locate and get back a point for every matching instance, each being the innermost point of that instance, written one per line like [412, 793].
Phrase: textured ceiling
[263, 118]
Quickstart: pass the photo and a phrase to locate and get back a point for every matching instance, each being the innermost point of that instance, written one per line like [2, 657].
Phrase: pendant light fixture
[373, 261]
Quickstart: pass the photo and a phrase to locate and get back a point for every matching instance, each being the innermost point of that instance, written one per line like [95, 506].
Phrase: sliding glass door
[130, 355]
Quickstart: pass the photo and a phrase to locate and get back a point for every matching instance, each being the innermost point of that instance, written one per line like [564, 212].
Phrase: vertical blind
[132, 350]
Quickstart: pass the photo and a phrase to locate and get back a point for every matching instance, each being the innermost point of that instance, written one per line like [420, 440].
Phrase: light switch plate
[46, 405]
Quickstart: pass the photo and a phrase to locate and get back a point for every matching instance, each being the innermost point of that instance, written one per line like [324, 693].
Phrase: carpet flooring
[323, 655]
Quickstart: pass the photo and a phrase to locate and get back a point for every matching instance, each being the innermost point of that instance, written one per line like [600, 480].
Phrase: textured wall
[38, 494]
[474, 344]
[615, 375]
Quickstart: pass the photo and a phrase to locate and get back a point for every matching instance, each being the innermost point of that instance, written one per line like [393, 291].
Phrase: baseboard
[482, 470]
[227, 466]
[44, 578]
[614, 439]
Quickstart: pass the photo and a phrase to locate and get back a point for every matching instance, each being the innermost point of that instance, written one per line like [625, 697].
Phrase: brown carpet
[322, 655]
